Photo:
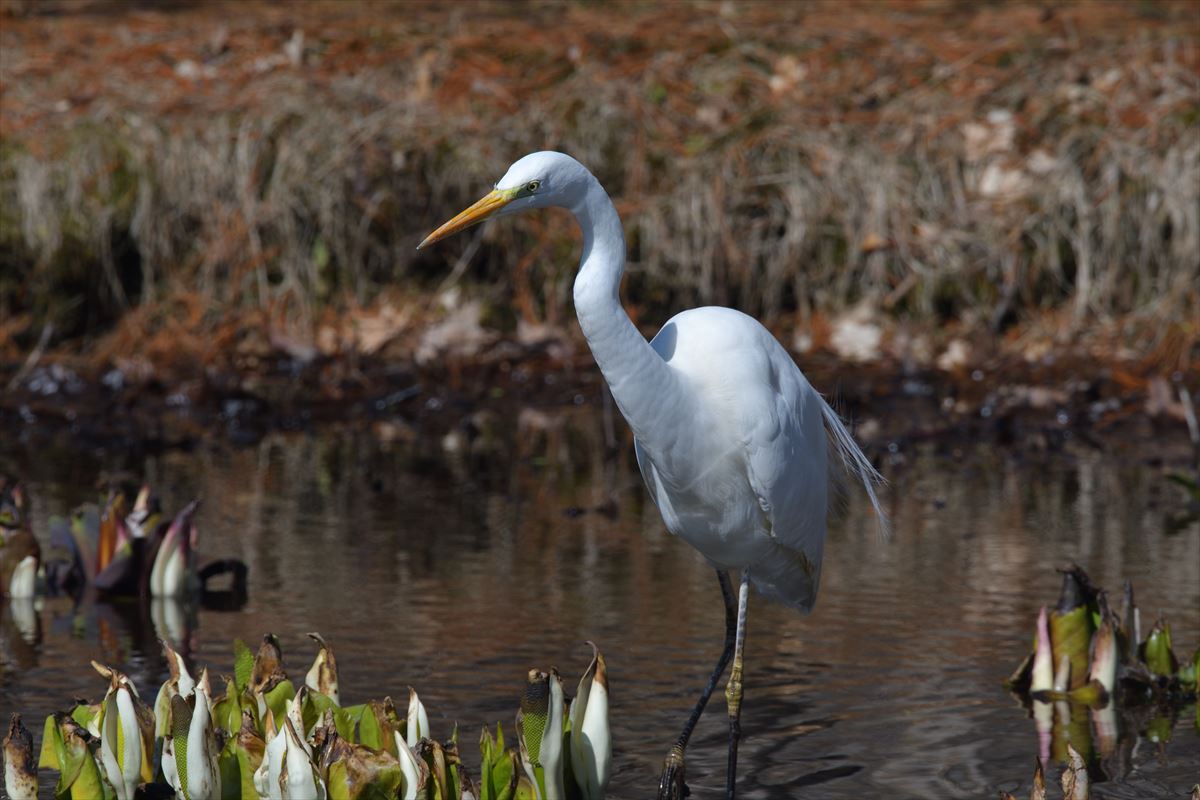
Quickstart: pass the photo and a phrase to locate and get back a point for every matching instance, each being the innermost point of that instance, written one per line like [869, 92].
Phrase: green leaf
[494, 761]
[434, 757]
[1159, 730]
[52, 746]
[1156, 651]
[377, 725]
[277, 700]
[227, 712]
[231, 764]
[369, 731]
[345, 719]
[503, 774]
[1070, 635]
[83, 714]
[248, 762]
[1187, 674]
[524, 790]
[454, 789]
[65, 748]
[338, 783]
[364, 775]
[243, 665]
[88, 785]
[314, 707]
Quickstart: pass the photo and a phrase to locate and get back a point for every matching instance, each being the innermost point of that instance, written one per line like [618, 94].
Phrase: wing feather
[786, 464]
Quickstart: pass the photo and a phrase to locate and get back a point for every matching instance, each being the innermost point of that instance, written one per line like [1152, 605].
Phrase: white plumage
[733, 442]
[743, 477]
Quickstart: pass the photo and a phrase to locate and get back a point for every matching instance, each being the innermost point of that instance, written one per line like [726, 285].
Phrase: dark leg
[671, 785]
[733, 691]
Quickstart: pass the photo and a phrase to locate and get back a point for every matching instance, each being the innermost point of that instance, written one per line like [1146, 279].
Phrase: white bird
[733, 442]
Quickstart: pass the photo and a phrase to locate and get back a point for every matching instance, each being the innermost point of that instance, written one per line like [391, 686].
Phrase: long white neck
[643, 385]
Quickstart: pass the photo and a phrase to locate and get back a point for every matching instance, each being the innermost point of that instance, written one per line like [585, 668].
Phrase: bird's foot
[671, 786]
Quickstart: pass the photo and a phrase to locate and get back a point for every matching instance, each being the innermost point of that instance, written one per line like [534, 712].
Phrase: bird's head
[539, 180]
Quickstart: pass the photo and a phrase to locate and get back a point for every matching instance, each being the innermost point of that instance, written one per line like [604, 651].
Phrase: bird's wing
[661, 498]
[786, 465]
[646, 468]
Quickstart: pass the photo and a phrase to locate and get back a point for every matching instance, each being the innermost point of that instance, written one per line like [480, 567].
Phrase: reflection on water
[453, 565]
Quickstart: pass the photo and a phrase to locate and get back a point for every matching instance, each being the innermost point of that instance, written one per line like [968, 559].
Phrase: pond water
[455, 564]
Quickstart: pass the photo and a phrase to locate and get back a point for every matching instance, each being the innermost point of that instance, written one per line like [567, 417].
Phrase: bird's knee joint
[733, 693]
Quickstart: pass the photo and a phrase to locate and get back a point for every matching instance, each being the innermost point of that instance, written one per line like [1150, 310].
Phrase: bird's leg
[733, 690]
[722, 662]
[671, 785]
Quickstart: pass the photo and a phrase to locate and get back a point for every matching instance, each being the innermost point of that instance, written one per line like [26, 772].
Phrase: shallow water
[455, 565]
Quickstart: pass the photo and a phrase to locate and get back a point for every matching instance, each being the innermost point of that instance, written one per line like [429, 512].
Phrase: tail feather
[855, 463]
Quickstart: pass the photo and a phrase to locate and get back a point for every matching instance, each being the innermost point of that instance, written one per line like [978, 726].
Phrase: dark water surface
[455, 565]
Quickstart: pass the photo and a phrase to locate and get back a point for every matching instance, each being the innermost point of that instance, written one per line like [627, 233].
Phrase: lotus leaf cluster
[263, 735]
[1093, 684]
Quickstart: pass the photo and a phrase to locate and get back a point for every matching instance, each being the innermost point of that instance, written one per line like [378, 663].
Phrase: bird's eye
[533, 186]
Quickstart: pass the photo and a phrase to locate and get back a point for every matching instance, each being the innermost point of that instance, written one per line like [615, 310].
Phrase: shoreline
[1069, 400]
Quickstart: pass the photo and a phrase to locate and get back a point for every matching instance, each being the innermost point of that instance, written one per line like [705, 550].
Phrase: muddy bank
[1061, 402]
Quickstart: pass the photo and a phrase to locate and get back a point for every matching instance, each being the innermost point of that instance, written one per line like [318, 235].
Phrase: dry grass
[942, 162]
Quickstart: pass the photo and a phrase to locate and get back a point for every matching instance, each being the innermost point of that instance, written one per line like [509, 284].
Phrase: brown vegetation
[181, 179]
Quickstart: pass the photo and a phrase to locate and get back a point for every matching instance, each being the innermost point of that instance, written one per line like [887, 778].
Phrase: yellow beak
[485, 207]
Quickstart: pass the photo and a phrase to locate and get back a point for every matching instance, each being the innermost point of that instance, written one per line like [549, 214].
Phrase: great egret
[731, 439]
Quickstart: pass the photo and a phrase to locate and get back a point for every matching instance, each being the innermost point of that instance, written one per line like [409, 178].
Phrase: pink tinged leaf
[1104, 657]
[1043, 662]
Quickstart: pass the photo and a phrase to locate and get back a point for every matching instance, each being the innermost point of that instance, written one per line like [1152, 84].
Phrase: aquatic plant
[118, 552]
[126, 729]
[264, 738]
[591, 740]
[1091, 682]
[20, 553]
[1076, 784]
[539, 734]
[20, 772]
[1082, 647]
